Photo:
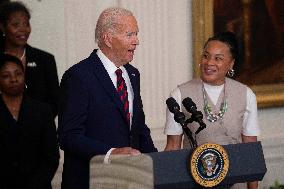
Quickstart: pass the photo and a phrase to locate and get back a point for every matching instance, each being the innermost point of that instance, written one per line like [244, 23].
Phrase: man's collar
[108, 64]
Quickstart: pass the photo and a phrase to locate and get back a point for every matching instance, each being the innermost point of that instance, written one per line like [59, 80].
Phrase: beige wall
[164, 57]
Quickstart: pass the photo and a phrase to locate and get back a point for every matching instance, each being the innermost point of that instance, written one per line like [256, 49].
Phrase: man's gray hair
[108, 21]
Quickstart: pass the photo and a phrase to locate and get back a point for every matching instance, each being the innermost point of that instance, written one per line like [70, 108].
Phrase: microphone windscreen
[189, 104]
[172, 104]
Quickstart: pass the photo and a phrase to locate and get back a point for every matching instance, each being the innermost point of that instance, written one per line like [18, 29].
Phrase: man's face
[124, 40]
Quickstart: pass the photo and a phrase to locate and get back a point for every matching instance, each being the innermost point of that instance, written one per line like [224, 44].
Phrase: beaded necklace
[210, 116]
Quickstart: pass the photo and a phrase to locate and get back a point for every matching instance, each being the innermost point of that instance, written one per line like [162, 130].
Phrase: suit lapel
[102, 75]
[136, 91]
[132, 77]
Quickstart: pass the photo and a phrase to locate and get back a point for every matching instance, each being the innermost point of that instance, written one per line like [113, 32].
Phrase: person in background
[1, 33]
[229, 107]
[28, 143]
[39, 66]
[100, 109]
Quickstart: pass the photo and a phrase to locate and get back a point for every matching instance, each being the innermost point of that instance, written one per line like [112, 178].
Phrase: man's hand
[126, 151]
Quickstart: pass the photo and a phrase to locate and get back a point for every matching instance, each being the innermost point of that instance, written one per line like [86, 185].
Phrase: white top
[111, 68]
[250, 121]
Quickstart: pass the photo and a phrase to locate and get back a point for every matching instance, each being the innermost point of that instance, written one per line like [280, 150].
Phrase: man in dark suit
[101, 112]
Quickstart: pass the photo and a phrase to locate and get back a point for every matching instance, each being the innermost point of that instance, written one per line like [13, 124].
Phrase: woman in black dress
[28, 143]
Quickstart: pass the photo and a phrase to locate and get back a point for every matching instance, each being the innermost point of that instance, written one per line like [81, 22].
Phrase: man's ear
[107, 39]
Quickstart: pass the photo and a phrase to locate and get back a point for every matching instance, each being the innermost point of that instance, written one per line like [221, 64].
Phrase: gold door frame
[269, 95]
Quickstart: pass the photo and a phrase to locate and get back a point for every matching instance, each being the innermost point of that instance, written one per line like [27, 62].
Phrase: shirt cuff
[106, 159]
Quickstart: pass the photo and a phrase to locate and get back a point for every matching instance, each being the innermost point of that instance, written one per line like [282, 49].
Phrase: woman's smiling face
[215, 63]
[17, 29]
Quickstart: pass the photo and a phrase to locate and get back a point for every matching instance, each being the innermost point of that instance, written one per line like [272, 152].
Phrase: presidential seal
[209, 164]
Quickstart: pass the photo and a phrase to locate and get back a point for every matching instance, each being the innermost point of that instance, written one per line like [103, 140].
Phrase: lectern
[170, 170]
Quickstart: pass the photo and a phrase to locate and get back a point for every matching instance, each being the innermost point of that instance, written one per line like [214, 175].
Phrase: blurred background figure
[39, 66]
[28, 143]
[1, 33]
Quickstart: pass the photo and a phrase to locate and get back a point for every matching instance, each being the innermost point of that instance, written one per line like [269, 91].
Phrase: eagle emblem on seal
[209, 165]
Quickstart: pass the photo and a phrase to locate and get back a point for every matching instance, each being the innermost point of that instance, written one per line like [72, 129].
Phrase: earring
[231, 73]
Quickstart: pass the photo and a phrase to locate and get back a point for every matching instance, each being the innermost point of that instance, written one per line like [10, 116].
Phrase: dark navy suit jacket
[91, 119]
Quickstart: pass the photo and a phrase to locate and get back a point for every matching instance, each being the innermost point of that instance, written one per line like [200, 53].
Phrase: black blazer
[41, 77]
[28, 147]
[92, 120]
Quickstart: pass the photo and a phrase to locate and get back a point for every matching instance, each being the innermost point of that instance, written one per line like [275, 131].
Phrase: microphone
[180, 118]
[175, 109]
[196, 115]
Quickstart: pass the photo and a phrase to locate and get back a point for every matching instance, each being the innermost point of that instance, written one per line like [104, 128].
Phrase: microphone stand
[187, 131]
[180, 118]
